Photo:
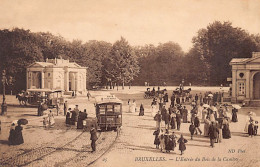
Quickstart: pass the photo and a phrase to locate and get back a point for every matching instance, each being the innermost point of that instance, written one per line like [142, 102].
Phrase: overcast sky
[139, 21]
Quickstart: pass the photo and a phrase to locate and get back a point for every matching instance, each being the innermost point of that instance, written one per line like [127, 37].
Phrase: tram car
[108, 112]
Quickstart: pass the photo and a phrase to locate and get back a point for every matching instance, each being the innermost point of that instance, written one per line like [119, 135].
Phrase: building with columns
[57, 74]
[246, 79]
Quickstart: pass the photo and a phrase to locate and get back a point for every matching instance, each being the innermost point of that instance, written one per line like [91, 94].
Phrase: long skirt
[234, 117]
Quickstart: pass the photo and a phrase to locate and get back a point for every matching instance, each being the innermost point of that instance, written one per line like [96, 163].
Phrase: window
[241, 88]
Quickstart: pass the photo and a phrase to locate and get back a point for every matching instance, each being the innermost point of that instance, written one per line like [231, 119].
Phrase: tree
[18, 49]
[218, 44]
[122, 65]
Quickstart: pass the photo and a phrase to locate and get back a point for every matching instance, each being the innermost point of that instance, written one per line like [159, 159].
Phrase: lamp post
[4, 105]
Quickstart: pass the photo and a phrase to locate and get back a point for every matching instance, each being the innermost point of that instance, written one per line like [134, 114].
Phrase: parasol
[206, 105]
[210, 95]
[236, 106]
[22, 121]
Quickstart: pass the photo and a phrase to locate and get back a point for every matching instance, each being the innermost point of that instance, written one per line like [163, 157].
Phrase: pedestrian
[173, 120]
[39, 109]
[165, 98]
[213, 133]
[234, 114]
[204, 113]
[51, 119]
[192, 130]
[173, 138]
[58, 107]
[197, 125]
[65, 108]
[196, 98]
[163, 112]
[178, 119]
[251, 128]
[76, 109]
[206, 127]
[18, 134]
[156, 139]
[93, 138]
[182, 146]
[12, 135]
[88, 95]
[133, 107]
[45, 122]
[158, 119]
[68, 115]
[167, 120]
[184, 115]
[220, 126]
[167, 141]
[172, 99]
[162, 142]
[141, 112]
[226, 131]
[178, 100]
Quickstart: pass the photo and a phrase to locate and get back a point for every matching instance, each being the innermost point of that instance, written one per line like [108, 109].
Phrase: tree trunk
[123, 84]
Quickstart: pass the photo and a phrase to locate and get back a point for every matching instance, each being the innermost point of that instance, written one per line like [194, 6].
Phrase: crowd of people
[206, 110]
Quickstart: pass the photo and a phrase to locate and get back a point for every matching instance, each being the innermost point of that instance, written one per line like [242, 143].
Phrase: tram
[108, 112]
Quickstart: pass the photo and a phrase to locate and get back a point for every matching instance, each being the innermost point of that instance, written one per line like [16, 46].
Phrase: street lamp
[4, 105]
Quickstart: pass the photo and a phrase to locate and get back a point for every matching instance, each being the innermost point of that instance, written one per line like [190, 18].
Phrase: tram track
[76, 151]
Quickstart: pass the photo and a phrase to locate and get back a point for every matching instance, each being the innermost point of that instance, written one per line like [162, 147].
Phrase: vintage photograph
[129, 83]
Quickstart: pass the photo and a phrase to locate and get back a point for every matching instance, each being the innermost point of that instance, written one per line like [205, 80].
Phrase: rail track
[76, 152]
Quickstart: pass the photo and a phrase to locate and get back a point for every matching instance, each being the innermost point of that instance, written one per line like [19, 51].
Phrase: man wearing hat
[213, 133]
[197, 124]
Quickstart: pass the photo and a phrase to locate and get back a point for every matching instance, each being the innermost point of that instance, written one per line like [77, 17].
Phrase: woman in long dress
[206, 127]
[156, 139]
[18, 135]
[182, 146]
[12, 135]
[234, 115]
[226, 131]
[51, 118]
[133, 107]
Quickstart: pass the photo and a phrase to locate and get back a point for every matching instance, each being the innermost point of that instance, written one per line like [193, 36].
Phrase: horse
[22, 99]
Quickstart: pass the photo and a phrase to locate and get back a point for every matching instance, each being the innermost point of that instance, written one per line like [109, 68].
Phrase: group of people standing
[76, 117]
[15, 134]
[201, 109]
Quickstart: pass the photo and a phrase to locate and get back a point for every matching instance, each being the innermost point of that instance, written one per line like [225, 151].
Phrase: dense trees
[218, 44]
[206, 63]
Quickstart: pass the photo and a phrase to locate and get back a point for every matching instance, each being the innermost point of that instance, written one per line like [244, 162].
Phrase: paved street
[66, 146]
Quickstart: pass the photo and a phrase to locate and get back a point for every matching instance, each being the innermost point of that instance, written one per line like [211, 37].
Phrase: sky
[138, 21]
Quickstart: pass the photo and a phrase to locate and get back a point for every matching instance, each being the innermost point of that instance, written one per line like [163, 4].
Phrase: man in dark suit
[93, 138]
[213, 133]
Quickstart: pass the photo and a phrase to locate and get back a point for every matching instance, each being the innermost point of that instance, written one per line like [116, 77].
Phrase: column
[66, 81]
[42, 79]
[76, 81]
[234, 83]
[27, 79]
[31, 77]
[248, 84]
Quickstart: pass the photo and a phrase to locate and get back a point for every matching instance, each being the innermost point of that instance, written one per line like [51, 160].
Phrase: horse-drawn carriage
[151, 94]
[179, 91]
[36, 96]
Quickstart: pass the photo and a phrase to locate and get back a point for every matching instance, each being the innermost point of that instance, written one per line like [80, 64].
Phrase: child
[192, 130]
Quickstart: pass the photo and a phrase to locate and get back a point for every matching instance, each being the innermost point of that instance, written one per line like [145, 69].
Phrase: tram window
[102, 109]
[117, 108]
[109, 108]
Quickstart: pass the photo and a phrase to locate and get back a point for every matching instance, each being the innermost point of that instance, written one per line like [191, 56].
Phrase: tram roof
[43, 90]
[107, 99]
